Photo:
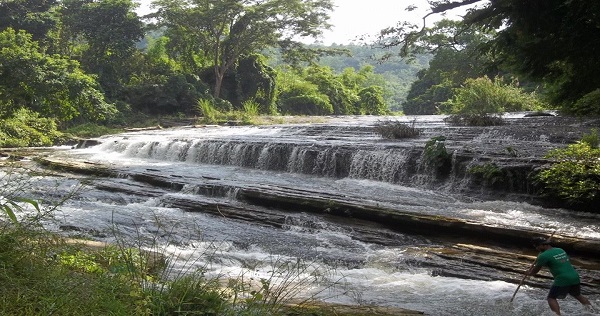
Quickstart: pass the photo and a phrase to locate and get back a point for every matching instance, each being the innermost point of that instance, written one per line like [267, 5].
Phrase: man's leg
[582, 299]
[554, 305]
[575, 291]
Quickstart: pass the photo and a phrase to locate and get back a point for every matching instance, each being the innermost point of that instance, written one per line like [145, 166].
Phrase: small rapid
[200, 219]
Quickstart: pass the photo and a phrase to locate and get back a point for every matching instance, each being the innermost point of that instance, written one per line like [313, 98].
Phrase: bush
[474, 120]
[306, 105]
[436, 157]
[397, 130]
[490, 174]
[482, 96]
[589, 104]
[28, 129]
[208, 110]
[574, 177]
[371, 101]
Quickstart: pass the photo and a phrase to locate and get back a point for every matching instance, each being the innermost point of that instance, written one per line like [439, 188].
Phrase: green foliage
[588, 104]
[553, 42]
[53, 86]
[436, 157]
[35, 17]
[592, 138]
[371, 101]
[251, 107]
[190, 294]
[227, 30]
[172, 93]
[91, 130]
[342, 98]
[28, 129]
[426, 97]
[208, 110]
[359, 69]
[106, 32]
[485, 96]
[575, 174]
[256, 81]
[474, 120]
[489, 173]
[535, 40]
[397, 130]
[455, 60]
[296, 96]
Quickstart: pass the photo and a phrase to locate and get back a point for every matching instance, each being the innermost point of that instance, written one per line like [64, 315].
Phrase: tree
[371, 101]
[342, 98]
[107, 30]
[226, 30]
[50, 85]
[34, 16]
[553, 41]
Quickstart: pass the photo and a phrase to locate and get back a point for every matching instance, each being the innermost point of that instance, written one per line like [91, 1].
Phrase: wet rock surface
[454, 247]
[449, 246]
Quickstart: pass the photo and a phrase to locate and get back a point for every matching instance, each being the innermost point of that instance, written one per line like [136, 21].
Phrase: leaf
[29, 201]
[10, 214]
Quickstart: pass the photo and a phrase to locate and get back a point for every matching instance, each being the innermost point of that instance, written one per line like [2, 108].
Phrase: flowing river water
[356, 261]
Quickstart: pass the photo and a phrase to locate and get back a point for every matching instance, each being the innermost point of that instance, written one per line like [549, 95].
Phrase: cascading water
[209, 168]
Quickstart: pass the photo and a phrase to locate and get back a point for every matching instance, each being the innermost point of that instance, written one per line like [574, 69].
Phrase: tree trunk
[219, 75]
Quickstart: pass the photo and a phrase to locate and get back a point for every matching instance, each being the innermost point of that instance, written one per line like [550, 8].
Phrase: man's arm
[534, 270]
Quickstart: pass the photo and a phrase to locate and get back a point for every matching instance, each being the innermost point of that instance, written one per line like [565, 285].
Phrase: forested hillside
[72, 63]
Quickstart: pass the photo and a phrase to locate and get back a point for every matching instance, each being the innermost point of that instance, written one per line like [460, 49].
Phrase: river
[338, 259]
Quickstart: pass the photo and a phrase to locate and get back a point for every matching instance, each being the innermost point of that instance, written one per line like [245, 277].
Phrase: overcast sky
[352, 18]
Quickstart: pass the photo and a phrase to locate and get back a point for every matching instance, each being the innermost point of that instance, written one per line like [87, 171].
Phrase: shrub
[28, 129]
[306, 105]
[588, 104]
[436, 156]
[484, 96]
[474, 120]
[592, 138]
[371, 101]
[574, 177]
[490, 173]
[397, 130]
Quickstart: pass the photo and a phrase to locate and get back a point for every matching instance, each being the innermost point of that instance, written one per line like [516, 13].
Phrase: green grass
[42, 273]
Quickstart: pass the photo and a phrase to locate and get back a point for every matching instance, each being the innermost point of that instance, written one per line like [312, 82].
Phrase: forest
[97, 63]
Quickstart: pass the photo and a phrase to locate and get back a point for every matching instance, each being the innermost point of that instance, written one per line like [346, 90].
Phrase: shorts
[562, 291]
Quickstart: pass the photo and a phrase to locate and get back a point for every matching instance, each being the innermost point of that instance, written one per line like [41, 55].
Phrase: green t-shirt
[561, 269]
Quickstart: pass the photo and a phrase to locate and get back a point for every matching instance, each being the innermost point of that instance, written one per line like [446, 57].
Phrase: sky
[353, 18]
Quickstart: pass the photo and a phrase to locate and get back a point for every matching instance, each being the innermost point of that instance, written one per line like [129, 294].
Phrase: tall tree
[555, 41]
[456, 59]
[50, 85]
[226, 30]
[34, 16]
[107, 31]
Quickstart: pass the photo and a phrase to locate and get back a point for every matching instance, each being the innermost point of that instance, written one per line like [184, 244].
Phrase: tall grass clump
[208, 110]
[397, 130]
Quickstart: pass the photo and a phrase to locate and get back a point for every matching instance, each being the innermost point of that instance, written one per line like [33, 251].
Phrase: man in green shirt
[566, 278]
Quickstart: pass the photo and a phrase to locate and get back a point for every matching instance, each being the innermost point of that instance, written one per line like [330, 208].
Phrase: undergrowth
[42, 273]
